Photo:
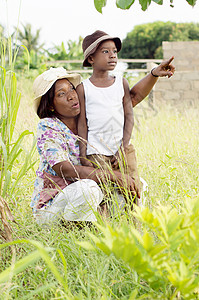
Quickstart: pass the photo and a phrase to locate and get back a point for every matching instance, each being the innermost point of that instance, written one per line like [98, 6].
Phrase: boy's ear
[90, 59]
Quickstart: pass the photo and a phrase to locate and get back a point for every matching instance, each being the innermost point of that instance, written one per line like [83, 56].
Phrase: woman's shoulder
[46, 122]
[50, 124]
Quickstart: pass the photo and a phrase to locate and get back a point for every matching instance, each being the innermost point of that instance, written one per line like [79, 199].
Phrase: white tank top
[105, 116]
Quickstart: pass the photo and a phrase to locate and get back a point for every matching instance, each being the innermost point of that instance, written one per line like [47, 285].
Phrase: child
[106, 117]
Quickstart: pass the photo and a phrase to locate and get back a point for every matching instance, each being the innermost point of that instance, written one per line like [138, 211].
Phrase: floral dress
[55, 143]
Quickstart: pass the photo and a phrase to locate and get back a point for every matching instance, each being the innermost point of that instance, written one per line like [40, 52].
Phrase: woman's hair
[46, 106]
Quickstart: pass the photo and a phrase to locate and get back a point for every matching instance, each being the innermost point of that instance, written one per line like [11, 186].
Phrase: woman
[63, 188]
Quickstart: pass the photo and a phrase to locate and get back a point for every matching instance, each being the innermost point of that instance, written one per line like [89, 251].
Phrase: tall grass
[48, 262]
[12, 145]
[15, 158]
[167, 150]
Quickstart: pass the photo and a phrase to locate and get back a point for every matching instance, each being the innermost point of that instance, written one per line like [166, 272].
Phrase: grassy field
[167, 146]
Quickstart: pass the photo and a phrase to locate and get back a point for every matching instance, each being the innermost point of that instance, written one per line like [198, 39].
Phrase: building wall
[184, 85]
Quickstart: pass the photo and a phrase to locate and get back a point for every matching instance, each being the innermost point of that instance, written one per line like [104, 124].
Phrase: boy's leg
[100, 161]
[131, 168]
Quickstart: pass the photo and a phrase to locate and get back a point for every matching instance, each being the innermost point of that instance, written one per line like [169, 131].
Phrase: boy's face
[105, 57]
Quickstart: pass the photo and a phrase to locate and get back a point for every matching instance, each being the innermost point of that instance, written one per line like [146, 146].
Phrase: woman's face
[66, 102]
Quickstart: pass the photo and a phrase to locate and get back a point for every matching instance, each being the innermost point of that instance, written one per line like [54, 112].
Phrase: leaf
[124, 4]
[191, 2]
[99, 4]
[160, 2]
[133, 294]
[148, 241]
[86, 245]
[16, 148]
[144, 4]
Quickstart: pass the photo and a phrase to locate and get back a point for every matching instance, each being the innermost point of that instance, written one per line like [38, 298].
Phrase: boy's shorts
[127, 163]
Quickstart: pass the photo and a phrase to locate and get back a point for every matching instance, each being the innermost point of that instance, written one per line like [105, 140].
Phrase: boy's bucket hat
[92, 41]
[45, 81]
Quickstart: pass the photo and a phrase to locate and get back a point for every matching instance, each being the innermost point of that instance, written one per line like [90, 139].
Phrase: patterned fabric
[55, 143]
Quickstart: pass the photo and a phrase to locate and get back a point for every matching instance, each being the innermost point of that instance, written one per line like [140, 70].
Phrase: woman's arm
[82, 127]
[140, 90]
[71, 172]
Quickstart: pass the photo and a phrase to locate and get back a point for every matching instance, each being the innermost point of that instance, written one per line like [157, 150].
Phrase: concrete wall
[184, 85]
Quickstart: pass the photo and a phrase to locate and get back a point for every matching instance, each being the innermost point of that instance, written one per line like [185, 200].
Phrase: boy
[106, 117]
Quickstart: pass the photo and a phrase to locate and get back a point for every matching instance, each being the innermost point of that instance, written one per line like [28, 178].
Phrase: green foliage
[99, 4]
[192, 2]
[145, 41]
[11, 147]
[1, 31]
[167, 160]
[28, 50]
[32, 59]
[165, 254]
[27, 38]
[28, 260]
[126, 4]
[73, 51]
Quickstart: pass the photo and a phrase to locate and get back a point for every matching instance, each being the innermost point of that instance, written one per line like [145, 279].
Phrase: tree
[126, 4]
[145, 41]
[27, 38]
[73, 51]
[34, 57]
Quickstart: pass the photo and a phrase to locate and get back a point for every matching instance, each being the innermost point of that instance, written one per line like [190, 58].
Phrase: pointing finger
[167, 62]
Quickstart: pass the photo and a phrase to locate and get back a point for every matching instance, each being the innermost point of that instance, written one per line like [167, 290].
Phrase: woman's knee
[91, 189]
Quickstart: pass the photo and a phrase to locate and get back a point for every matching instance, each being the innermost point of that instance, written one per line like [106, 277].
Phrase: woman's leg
[83, 200]
[77, 202]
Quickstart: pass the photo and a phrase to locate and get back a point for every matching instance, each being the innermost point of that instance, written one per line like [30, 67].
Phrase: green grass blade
[38, 291]
[19, 266]
[16, 149]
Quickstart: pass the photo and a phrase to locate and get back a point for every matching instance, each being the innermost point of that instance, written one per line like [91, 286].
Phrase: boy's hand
[85, 162]
[116, 158]
[115, 162]
[125, 181]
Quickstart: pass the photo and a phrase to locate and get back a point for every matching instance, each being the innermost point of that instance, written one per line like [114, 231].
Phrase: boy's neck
[102, 79]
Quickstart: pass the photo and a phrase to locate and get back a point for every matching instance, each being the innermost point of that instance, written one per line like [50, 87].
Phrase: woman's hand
[164, 69]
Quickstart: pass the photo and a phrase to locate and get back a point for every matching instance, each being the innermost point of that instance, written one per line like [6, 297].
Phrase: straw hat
[91, 42]
[45, 81]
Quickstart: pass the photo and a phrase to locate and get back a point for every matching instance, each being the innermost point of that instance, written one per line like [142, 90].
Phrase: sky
[64, 20]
